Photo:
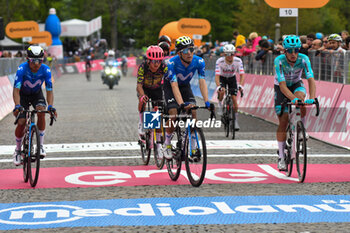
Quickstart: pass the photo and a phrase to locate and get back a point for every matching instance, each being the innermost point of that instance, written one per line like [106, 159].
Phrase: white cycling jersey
[229, 70]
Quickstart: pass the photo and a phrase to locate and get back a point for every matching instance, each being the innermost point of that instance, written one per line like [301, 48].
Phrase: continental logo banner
[21, 29]
[296, 3]
[194, 26]
[42, 37]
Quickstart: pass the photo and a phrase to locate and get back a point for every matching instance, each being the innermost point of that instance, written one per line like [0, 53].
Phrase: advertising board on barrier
[176, 211]
[6, 100]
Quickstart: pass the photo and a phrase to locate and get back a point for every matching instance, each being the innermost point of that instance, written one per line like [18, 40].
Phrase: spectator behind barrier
[239, 39]
[309, 38]
[304, 46]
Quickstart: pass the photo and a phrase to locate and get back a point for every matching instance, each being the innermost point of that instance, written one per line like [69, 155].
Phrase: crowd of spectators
[261, 45]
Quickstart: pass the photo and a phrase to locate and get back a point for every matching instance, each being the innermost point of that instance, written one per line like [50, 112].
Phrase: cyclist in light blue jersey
[27, 91]
[177, 88]
[288, 85]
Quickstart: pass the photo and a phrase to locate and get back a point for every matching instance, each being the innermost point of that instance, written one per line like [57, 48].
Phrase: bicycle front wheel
[33, 164]
[24, 154]
[145, 148]
[301, 152]
[226, 115]
[196, 157]
[233, 122]
[159, 160]
[174, 165]
[288, 149]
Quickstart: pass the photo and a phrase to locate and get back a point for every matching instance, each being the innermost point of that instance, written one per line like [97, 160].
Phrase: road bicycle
[88, 72]
[228, 117]
[189, 146]
[30, 148]
[150, 141]
[296, 142]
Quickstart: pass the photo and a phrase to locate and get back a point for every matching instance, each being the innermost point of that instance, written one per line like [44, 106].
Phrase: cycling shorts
[36, 99]
[186, 93]
[230, 83]
[280, 97]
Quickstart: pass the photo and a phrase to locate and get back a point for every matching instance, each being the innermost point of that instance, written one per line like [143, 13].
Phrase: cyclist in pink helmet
[149, 82]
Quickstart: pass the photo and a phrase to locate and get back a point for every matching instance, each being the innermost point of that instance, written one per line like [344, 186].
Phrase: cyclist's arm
[49, 95]
[312, 88]
[139, 89]
[177, 93]
[16, 96]
[217, 80]
[241, 79]
[285, 90]
[204, 89]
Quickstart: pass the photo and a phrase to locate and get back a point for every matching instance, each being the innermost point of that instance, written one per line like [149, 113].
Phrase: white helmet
[111, 53]
[229, 48]
[335, 37]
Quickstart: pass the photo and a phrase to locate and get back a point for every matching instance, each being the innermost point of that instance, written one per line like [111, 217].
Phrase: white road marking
[210, 156]
[104, 146]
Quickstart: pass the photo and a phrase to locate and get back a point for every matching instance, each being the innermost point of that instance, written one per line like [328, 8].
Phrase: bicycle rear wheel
[301, 152]
[145, 148]
[195, 157]
[174, 165]
[33, 164]
[158, 161]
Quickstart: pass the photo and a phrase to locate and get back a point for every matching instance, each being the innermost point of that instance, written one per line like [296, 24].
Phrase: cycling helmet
[164, 38]
[291, 42]
[165, 46]
[155, 52]
[229, 48]
[111, 53]
[335, 37]
[35, 51]
[183, 42]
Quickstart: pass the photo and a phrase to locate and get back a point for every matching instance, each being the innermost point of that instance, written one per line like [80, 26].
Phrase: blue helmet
[292, 42]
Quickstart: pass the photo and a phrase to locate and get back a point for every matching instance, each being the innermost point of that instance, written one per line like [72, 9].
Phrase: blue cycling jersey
[292, 74]
[29, 82]
[177, 72]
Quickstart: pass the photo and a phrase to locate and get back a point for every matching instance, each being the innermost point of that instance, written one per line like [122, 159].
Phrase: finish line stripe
[209, 156]
[104, 146]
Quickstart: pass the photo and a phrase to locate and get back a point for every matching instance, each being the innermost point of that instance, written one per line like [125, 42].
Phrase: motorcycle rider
[110, 61]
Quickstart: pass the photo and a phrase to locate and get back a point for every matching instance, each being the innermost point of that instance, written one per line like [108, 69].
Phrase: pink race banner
[91, 177]
[95, 65]
[6, 100]
[333, 123]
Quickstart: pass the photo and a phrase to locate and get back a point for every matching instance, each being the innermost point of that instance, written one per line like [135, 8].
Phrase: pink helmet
[155, 53]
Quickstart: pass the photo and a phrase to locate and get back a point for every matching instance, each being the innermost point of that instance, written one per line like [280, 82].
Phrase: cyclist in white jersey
[225, 75]
[288, 85]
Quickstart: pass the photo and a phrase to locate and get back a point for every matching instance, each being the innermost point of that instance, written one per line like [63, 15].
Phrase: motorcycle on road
[111, 73]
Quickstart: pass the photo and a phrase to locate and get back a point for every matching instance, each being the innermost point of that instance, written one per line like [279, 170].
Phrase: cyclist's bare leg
[41, 118]
[235, 104]
[221, 94]
[19, 132]
[301, 95]
[170, 126]
[282, 127]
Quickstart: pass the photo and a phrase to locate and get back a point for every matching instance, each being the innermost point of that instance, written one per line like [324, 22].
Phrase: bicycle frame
[294, 118]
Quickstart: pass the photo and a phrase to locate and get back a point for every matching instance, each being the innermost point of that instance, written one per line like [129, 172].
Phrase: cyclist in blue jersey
[27, 91]
[177, 88]
[288, 85]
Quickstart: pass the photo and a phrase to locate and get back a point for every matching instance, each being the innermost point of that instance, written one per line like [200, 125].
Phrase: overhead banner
[296, 3]
[22, 29]
[194, 26]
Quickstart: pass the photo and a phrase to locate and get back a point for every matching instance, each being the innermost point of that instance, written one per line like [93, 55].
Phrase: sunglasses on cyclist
[292, 51]
[36, 60]
[229, 54]
[187, 50]
[155, 62]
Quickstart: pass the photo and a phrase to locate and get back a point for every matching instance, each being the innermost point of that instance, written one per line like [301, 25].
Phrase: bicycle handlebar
[300, 103]
[211, 109]
[52, 118]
